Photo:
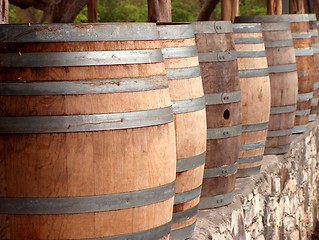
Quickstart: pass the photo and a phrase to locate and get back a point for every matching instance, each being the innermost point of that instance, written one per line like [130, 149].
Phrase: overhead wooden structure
[159, 10]
[4, 11]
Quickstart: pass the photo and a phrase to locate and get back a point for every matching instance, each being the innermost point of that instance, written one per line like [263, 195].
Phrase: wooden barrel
[217, 58]
[87, 143]
[188, 100]
[315, 70]
[299, 24]
[283, 83]
[255, 92]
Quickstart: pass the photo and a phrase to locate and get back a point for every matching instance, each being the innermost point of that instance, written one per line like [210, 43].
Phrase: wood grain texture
[256, 97]
[220, 77]
[190, 142]
[86, 163]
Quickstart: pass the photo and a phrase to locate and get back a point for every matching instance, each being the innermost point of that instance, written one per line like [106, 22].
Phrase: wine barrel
[188, 100]
[315, 66]
[255, 92]
[283, 83]
[217, 60]
[85, 118]
[299, 24]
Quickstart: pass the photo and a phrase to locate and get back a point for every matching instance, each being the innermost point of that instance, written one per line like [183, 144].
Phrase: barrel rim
[272, 18]
[85, 32]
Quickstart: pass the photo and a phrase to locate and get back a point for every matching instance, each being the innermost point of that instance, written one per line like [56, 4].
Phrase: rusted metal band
[189, 105]
[216, 201]
[282, 68]
[250, 159]
[302, 112]
[278, 26]
[222, 98]
[305, 96]
[183, 73]
[217, 57]
[279, 43]
[251, 146]
[247, 28]
[99, 86]
[283, 109]
[220, 171]
[302, 35]
[172, 32]
[86, 204]
[212, 27]
[252, 73]
[65, 59]
[150, 234]
[225, 132]
[85, 123]
[299, 129]
[248, 40]
[179, 52]
[182, 233]
[186, 164]
[301, 52]
[251, 54]
[35, 33]
[279, 133]
[274, 18]
[184, 215]
[255, 127]
[187, 196]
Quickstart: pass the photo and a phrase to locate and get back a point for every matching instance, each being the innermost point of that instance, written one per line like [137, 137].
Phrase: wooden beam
[4, 11]
[207, 9]
[230, 9]
[296, 6]
[285, 6]
[159, 11]
[274, 7]
[92, 11]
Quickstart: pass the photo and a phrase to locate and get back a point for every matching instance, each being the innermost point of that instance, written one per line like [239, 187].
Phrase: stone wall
[279, 203]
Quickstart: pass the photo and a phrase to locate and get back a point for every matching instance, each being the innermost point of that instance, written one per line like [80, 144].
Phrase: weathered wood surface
[190, 125]
[255, 92]
[86, 163]
[219, 77]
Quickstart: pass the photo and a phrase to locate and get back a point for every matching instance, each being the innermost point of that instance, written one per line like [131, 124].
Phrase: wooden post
[274, 7]
[230, 9]
[207, 9]
[296, 6]
[92, 11]
[4, 11]
[159, 11]
[285, 6]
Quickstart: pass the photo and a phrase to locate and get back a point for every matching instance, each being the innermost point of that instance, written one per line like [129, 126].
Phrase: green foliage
[82, 17]
[252, 7]
[122, 10]
[185, 10]
[13, 16]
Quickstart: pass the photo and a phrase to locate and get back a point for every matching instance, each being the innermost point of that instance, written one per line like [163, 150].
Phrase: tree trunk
[92, 11]
[159, 11]
[207, 10]
[274, 7]
[4, 11]
[230, 9]
[296, 6]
